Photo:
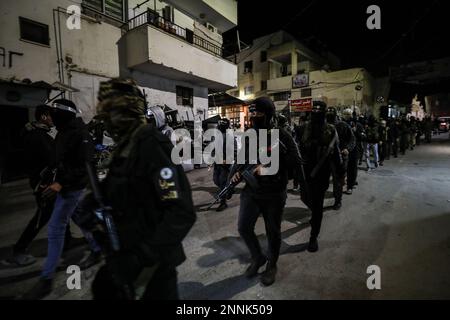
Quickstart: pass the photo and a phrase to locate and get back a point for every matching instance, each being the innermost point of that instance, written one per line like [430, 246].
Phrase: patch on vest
[166, 173]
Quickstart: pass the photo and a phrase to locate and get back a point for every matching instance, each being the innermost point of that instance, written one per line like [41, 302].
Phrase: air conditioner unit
[211, 28]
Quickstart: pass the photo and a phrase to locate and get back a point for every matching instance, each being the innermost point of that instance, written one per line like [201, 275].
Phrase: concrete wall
[338, 89]
[227, 8]
[179, 18]
[92, 49]
[280, 84]
[171, 52]
[163, 91]
[87, 46]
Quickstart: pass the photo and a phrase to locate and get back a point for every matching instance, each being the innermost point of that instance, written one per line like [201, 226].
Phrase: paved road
[397, 219]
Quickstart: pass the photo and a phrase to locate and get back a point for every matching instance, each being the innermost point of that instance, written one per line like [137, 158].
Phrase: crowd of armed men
[136, 218]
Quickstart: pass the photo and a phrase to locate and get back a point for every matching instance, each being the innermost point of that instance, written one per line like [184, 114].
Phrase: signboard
[300, 80]
[301, 105]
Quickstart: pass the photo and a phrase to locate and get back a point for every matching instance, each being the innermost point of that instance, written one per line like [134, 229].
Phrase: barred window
[111, 8]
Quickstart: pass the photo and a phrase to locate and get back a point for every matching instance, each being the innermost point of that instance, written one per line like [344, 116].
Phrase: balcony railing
[150, 17]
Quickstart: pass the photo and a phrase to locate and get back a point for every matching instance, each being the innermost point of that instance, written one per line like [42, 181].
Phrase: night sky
[409, 32]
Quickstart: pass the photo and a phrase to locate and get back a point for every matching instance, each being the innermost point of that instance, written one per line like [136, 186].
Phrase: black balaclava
[318, 113]
[264, 105]
[318, 118]
[63, 112]
[331, 115]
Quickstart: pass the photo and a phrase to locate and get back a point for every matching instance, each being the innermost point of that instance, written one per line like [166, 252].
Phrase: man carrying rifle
[150, 199]
[222, 170]
[267, 197]
[319, 146]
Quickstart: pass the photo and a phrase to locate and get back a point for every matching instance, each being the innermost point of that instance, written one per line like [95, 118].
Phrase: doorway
[12, 152]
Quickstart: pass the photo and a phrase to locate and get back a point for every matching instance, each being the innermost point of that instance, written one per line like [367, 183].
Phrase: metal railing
[150, 17]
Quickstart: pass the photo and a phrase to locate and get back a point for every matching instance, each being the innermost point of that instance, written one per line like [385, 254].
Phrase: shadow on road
[221, 290]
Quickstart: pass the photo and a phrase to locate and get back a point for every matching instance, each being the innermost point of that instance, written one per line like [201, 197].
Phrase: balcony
[151, 44]
[279, 84]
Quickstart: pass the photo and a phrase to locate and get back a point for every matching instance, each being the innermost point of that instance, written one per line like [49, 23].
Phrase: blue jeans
[374, 147]
[65, 206]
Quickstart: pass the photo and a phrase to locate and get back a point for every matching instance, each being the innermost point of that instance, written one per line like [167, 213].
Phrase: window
[112, 8]
[248, 90]
[263, 56]
[306, 92]
[263, 85]
[248, 66]
[34, 31]
[281, 96]
[185, 96]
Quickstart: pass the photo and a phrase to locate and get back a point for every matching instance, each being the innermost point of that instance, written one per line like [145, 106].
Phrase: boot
[252, 270]
[268, 276]
[313, 245]
[337, 205]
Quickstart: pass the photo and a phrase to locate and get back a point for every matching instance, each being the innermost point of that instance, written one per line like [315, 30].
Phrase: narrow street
[398, 219]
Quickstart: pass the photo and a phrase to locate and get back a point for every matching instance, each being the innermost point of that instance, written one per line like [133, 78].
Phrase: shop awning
[223, 99]
[24, 94]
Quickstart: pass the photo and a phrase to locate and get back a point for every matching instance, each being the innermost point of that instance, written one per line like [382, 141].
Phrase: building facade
[173, 49]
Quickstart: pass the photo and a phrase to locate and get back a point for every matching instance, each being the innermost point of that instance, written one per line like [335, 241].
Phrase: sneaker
[93, 259]
[252, 270]
[222, 207]
[313, 245]
[349, 191]
[41, 289]
[19, 260]
[381, 164]
[268, 276]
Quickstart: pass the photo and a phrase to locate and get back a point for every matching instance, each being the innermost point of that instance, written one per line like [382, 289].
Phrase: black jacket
[74, 148]
[151, 200]
[347, 139]
[289, 157]
[39, 151]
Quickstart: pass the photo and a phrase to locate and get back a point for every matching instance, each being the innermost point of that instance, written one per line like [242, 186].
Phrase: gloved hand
[124, 268]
